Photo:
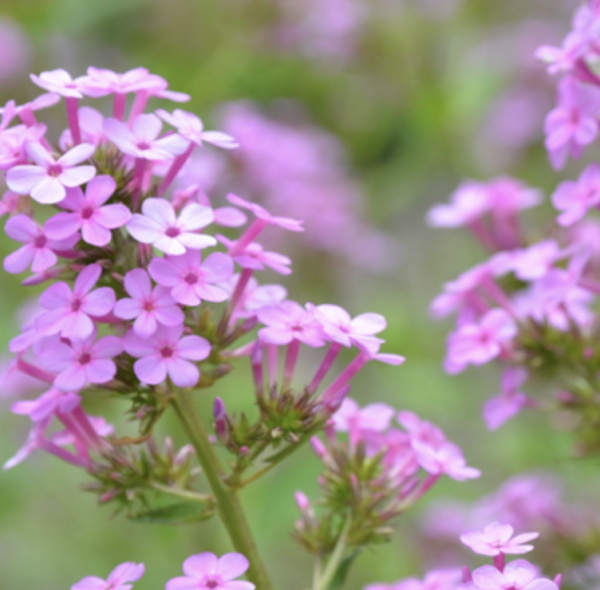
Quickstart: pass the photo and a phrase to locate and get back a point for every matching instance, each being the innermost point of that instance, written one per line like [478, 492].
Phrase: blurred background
[357, 116]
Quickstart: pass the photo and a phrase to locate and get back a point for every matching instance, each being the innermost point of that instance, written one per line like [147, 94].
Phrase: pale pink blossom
[189, 279]
[536, 261]
[39, 249]
[47, 180]
[498, 538]
[25, 111]
[149, 307]
[575, 198]
[142, 141]
[511, 400]
[82, 362]
[289, 321]
[360, 422]
[89, 213]
[573, 123]
[206, 571]
[160, 227]
[517, 575]
[444, 579]
[167, 353]
[100, 82]
[478, 343]
[69, 310]
[262, 214]
[118, 579]
[191, 127]
[52, 401]
[445, 459]
[255, 257]
[59, 82]
[14, 143]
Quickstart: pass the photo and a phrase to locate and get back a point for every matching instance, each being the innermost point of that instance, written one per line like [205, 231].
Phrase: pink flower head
[190, 280]
[90, 215]
[85, 361]
[170, 234]
[360, 422]
[14, 143]
[498, 410]
[149, 307]
[574, 199]
[141, 140]
[572, 124]
[39, 249]
[118, 579]
[262, 214]
[52, 401]
[47, 181]
[167, 353]
[496, 539]
[517, 575]
[70, 310]
[445, 459]
[60, 82]
[289, 321]
[101, 82]
[255, 257]
[536, 261]
[421, 430]
[191, 127]
[206, 571]
[339, 326]
[479, 343]
[467, 203]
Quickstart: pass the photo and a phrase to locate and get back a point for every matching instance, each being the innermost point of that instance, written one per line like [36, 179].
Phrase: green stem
[179, 493]
[228, 504]
[336, 557]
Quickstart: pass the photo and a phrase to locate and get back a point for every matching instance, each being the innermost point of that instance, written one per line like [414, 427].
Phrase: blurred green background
[421, 94]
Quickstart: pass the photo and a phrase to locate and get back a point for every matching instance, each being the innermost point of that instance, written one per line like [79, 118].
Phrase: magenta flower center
[70, 85]
[40, 242]
[148, 305]
[211, 583]
[55, 170]
[191, 278]
[173, 232]
[166, 351]
[85, 358]
[297, 327]
[87, 212]
[143, 145]
[76, 304]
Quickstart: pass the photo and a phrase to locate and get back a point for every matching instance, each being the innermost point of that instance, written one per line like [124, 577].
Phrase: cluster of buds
[372, 474]
[496, 541]
[531, 304]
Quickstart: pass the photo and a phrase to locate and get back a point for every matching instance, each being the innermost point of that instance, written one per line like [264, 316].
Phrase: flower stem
[336, 557]
[184, 494]
[228, 504]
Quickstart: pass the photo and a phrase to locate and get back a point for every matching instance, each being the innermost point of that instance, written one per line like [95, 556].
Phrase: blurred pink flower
[498, 538]
[117, 580]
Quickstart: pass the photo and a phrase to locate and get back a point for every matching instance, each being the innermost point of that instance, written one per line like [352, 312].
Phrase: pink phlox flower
[510, 402]
[14, 142]
[59, 82]
[9, 204]
[85, 361]
[191, 127]
[289, 321]
[445, 459]
[47, 180]
[443, 579]
[361, 422]
[43, 101]
[118, 579]
[39, 249]
[255, 257]
[142, 141]
[167, 353]
[563, 58]
[52, 401]
[574, 199]
[255, 296]
[340, 327]
[225, 216]
[69, 310]
[467, 203]
[536, 261]
[572, 124]
[90, 125]
[101, 82]
[421, 430]
[479, 343]
[399, 458]
[149, 307]
[34, 441]
[99, 425]
[189, 279]
[496, 539]
[89, 213]
[8, 112]
[206, 571]
[517, 575]
[170, 234]
[264, 215]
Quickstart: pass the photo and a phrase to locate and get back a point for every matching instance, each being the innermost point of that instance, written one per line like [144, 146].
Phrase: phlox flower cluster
[495, 540]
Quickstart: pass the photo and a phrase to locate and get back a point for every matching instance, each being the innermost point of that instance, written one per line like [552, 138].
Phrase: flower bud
[220, 416]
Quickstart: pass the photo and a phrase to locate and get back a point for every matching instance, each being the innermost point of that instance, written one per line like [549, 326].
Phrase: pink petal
[232, 565]
[73, 378]
[77, 176]
[146, 127]
[186, 294]
[107, 347]
[119, 134]
[151, 369]
[22, 228]
[62, 225]
[100, 371]
[229, 217]
[137, 283]
[93, 233]
[77, 326]
[217, 268]
[145, 325]
[81, 152]
[23, 179]
[90, 583]
[194, 216]
[194, 348]
[100, 189]
[183, 373]
[220, 139]
[196, 241]
[368, 323]
[127, 572]
[99, 302]
[276, 335]
[19, 260]
[56, 296]
[127, 309]
[182, 584]
[49, 191]
[172, 144]
[144, 229]
[43, 259]
[160, 211]
[136, 346]
[39, 154]
[113, 216]
[210, 292]
[86, 279]
[172, 246]
[164, 272]
[169, 316]
[201, 565]
[488, 578]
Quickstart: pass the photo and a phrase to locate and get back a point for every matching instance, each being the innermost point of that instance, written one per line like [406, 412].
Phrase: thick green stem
[229, 507]
[336, 557]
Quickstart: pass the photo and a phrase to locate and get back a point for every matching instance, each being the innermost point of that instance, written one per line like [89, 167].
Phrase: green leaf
[174, 514]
